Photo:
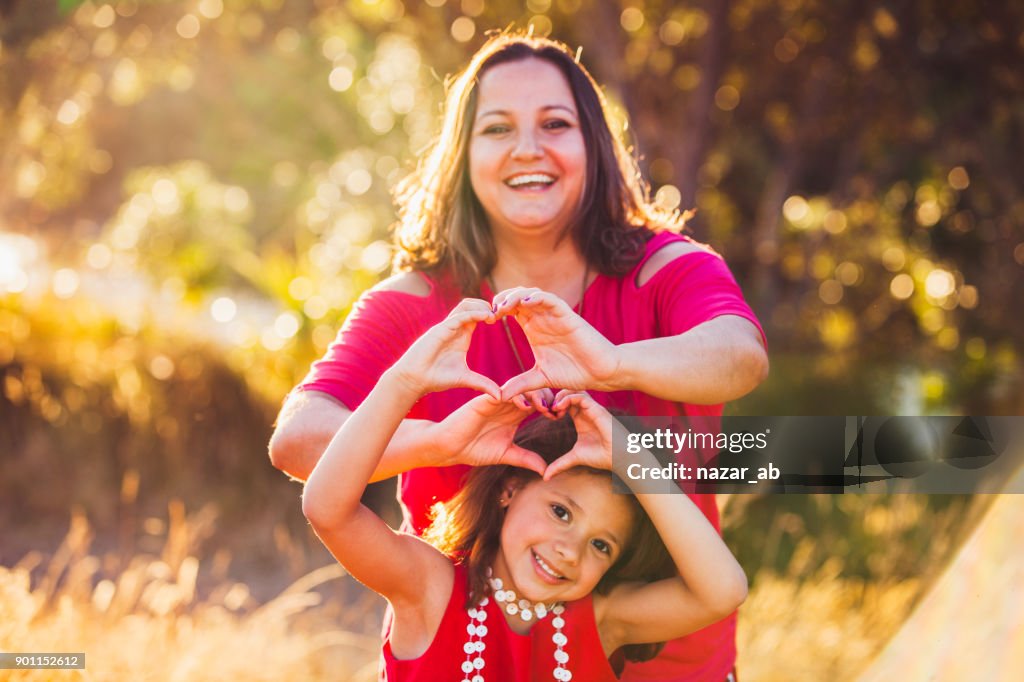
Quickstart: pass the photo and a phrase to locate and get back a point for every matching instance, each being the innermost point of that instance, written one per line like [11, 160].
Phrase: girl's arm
[711, 583]
[719, 360]
[402, 568]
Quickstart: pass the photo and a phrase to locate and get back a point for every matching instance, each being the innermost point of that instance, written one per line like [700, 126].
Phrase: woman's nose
[526, 146]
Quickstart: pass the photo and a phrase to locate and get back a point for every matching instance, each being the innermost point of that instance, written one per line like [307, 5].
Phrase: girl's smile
[561, 536]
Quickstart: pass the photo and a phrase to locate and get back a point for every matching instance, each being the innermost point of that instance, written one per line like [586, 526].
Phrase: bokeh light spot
[65, 283]
[463, 29]
[287, 325]
[223, 309]
[358, 182]
[188, 26]
[939, 283]
[727, 98]
[668, 197]
[632, 19]
[958, 178]
[161, 367]
[795, 208]
[902, 286]
[211, 9]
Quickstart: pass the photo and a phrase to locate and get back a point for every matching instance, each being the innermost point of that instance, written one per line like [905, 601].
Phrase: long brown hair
[468, 527]
[441, 224]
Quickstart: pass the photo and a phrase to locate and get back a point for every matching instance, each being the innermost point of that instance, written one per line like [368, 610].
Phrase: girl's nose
[568, 550]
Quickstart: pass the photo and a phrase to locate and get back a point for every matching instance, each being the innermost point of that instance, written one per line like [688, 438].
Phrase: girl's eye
[495, 129]
[560, 512]
[602, 546]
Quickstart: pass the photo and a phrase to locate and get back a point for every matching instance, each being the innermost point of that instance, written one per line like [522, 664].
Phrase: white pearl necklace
[525, 609]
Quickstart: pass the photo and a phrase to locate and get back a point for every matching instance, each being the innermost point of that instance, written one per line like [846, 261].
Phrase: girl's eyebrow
[505, 112]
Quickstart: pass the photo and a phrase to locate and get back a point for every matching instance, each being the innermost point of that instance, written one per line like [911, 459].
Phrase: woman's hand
[480, 433]
[540, 401]
[568, 352]
[437, 360]
[593, 433]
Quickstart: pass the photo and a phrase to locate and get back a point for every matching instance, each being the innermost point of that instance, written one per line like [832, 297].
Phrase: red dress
[686, 292]
[508, 656]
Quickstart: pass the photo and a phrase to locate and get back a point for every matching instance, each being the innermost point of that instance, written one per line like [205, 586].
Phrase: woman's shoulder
[665, 249]
[411, 283]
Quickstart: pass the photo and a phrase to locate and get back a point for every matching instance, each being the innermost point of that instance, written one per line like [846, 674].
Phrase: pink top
[692, 289]
[508, 656]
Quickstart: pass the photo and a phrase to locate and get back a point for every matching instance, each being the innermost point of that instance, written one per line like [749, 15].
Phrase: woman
[528, 186]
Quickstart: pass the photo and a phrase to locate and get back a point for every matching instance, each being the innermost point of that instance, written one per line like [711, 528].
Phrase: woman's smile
[527, 157]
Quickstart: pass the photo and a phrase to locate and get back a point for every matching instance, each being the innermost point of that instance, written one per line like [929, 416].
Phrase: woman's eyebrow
[505, 112]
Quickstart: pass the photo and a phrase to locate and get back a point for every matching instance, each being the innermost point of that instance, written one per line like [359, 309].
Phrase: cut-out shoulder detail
[407, 283]
[662, 257]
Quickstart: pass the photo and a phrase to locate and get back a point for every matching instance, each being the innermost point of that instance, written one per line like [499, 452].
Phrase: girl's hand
[480, 434]
[594, 433]
[437, 360]
[568, 352]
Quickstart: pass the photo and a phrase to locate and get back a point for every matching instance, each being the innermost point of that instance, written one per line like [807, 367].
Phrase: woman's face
[527, 159]
[561, 536]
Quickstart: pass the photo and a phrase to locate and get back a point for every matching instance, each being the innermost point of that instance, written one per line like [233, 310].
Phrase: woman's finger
[510, 298]
[470, 304]
[567, 398]
[530, 380]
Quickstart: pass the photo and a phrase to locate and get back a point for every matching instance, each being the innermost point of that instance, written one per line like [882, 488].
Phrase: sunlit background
[193, 193]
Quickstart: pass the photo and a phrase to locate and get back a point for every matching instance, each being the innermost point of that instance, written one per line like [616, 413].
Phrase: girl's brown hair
[441, 224]
[467, 528]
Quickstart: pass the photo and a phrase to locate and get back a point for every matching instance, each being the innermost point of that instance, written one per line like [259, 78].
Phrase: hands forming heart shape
[569, 355]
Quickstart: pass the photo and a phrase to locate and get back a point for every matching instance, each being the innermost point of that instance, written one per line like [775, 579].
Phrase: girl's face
[527, 159]
[561, 536]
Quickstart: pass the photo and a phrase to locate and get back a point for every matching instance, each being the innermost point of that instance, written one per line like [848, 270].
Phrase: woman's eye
[602, 546]
[495, 130]
[560, 512]
[556, 123]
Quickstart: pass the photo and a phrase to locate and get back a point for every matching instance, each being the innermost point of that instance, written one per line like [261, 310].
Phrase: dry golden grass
[827, 628]
[149, 624]
[148, 621]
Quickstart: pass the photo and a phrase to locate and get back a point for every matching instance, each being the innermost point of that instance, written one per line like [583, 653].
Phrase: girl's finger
[524, 459]
[563, 463]
[479, 382]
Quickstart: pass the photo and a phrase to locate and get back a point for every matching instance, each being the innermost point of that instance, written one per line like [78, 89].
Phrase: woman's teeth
[532, 179]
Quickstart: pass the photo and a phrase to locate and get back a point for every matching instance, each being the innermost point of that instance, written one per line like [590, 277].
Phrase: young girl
[514, 601]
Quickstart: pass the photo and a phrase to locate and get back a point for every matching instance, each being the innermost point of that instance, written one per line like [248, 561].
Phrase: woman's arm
[711, 583]
[719, 360]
